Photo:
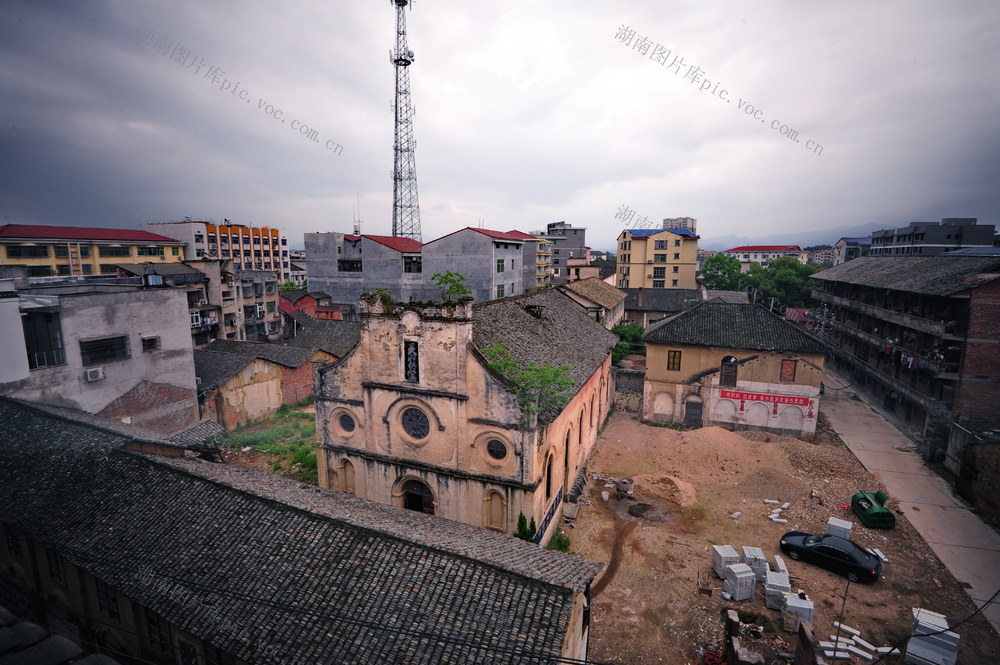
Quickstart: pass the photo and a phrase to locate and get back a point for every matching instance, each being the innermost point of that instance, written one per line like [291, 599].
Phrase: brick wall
[979, 393]
[297, 383]
[980, 477]
[160, 407]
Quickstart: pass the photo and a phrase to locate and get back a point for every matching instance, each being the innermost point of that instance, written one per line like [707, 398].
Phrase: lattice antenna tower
[405, 208]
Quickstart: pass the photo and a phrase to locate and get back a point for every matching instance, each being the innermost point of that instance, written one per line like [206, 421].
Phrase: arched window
[593, 415]
[495, 511]
[417, 496]
[727, 375]
[548, 473]
[346, 476]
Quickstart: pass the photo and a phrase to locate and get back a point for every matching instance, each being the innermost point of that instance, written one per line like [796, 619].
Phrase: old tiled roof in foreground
[545, 326]
[927, 275]
[288, 356]
[732, 326]
[273, 571]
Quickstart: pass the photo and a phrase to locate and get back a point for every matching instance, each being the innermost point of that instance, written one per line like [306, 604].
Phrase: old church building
[415, 417]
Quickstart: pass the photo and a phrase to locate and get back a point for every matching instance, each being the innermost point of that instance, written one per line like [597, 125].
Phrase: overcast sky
[527, 112]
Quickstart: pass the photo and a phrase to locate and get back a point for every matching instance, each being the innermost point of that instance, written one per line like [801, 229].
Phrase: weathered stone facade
[415, 418]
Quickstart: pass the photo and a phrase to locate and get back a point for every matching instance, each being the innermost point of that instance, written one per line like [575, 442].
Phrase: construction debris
[931, 643]
[722, 556]
[754, 557]
[838, 527]
[739, 581]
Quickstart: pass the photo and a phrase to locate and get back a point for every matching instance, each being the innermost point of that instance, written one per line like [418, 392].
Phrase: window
[157, 632]
[57, 569]
[417, 496]
[39, 271]
[676, 269]
[659, 258]
[114, 251]
[413, 264]
[660, 244]
[411, 362]
[85, 252]
[63, 269]
[107, 599]
[416, 423]
[677, 256]
[150, 344]
[43, 339]
[271, 306]
[512, 264]
[496, 449]
[196, 319]
[673, 361]
[149, 251]
[728, 371]
[346, 422]
[499, 290]
[659, 273]
[677, 243]
[344, 265]
[500, 264]
[658, 284]
[673, 282]
[109, 349]
[27, 252]
[62, 251]
[788, 368]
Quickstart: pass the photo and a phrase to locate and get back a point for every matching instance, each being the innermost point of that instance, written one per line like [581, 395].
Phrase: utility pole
[405, 208]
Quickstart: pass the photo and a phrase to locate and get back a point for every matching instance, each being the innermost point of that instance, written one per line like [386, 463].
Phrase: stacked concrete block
[779, 565]
[796, 609]
[775, 586]
[840, 528]
[925, 648]
[739, 581]
[722, 556]
[754, 557]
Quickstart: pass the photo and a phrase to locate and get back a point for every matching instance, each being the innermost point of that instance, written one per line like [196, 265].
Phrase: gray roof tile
[256, 564]
[281, 354]
[927, 275]
[732, 326]
[215, 368]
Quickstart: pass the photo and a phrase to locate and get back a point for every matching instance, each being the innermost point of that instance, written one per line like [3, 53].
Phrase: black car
[837, 554]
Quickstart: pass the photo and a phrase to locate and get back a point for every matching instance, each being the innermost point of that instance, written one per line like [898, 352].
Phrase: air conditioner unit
[650, 261]
[202, 302]
[93, 374]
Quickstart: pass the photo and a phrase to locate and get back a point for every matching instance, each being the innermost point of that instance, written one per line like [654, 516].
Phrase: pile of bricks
[931, 643]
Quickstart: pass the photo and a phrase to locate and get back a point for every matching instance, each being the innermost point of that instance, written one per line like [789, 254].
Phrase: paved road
[969, 548]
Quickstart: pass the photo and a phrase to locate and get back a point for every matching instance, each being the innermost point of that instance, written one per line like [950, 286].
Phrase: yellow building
[249, 247]
[72, 250]
[657, 259]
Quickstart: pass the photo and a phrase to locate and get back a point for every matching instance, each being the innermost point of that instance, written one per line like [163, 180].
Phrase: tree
[524, 530]
[290, 286]
[452, 286]
[722, 273]
[539, 388]
[785, 279]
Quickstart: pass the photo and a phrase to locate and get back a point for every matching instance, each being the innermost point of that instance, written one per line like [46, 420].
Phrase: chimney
[640, 296]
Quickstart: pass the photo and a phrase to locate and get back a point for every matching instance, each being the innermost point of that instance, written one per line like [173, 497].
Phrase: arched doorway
[346, 476]
[417, 496]
[495, 511]
[692, 411]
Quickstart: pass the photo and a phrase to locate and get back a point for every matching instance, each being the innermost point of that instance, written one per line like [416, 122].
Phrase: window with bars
[43, 339]
[108, 349]
[149, 251]
[728, 372]
[114, 251]
[28, 252]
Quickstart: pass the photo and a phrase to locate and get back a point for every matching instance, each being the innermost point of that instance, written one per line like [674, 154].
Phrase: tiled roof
[32, 232]
[281, 354]
[198, 433]
[732, 326]
[597, 291]
[728, 296]
[765, 248]
[294, 295]
[798, 314]
[643, 233]
[859, 241]
[93, 420]
[499, 235]
[687, 233]
[521, 235]
[561, 334]
[405, 245]
[335, 337]
[661, 300]
[215, 368]
[259, 565]
[928, 275]
[286, 307]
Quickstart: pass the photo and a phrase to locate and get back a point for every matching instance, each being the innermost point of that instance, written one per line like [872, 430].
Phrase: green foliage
[620, 351]
[384, 296]
[289, 435]
[722, 273]
[288, 286]
[784, 279]
[525, 531]
[629, 332]
[452, 285]
[560, 542]
[538, 387]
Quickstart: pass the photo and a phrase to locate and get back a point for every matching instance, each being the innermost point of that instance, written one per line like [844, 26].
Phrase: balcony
[940, 369]
[937, 328]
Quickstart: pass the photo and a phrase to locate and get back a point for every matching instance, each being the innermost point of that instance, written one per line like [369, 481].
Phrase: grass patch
[289, 435]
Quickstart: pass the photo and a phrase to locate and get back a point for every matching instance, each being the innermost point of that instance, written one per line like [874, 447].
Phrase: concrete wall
[169, 406]
[13, 366]
[474, 256]
[254, 393]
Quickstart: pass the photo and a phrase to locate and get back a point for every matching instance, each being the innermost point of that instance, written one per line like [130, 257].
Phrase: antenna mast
[405, 209]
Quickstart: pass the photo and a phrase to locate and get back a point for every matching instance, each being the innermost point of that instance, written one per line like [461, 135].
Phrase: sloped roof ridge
[91, 420]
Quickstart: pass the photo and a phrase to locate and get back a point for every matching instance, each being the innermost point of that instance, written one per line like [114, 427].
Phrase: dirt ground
[646, 604]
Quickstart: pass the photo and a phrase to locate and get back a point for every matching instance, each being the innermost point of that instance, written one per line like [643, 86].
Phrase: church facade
[416, 417]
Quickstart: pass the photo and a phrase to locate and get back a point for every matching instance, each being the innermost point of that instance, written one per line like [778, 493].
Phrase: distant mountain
[801, 238]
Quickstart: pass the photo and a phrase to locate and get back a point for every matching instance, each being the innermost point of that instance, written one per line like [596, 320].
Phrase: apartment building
[748, 255]
[71, 250]
[821, 256]
[920, 333]
[846, 249]
[685, 223]
[657, 259]
[249, 247]
[568, 242]
[932, 238]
